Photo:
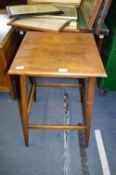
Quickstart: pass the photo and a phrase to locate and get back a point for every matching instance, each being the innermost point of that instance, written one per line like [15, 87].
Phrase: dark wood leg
[12, 92]
[83, 94]
[91, 86]
[24, 107]
[34, 82]
[100, 42]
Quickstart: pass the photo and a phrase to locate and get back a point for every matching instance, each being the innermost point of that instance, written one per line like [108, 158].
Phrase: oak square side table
[58, 55]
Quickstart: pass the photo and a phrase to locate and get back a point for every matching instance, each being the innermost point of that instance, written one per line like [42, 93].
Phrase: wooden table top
[58, 55]
[4, 28]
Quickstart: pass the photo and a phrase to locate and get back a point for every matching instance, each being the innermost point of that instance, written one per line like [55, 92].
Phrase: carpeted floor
[45, 155]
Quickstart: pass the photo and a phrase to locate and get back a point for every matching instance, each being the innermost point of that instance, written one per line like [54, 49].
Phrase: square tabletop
[58, 55]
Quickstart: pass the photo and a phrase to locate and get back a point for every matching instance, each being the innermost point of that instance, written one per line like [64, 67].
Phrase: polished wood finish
[23, 86]
[35, 89]
[56, 127]
[67, 51]
[31, 98]
[9, 42]
[61, 55]
[58, 85]
[91, 84]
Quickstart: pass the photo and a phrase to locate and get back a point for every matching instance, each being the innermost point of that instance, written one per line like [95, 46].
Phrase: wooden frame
[89, 9]
[101, 15]
[40, 23]
[29, 10]
[86, 105]
[72, 2]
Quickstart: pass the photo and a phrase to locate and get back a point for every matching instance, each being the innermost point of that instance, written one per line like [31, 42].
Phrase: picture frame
[20, 11]
[67, 2]
[40, 23]
[102, 15]
[89, 10]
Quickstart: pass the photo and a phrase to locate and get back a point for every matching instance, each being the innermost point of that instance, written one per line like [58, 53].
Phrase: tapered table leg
[91, 86]
[24, 107]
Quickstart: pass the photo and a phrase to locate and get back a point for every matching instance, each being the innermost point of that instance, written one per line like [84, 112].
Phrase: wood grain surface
[58, 55]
